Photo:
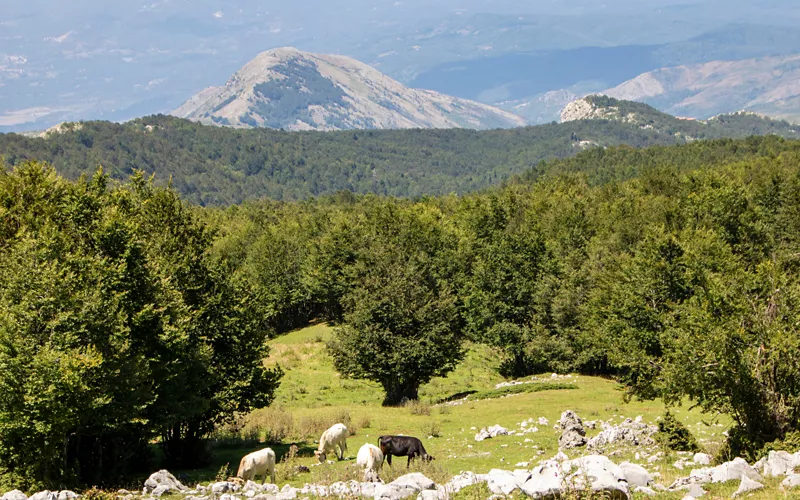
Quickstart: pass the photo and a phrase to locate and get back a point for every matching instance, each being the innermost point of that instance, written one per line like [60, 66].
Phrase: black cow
[402, 446]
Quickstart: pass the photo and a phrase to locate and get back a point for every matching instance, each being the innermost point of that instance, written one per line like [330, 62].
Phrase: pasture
[312, 397]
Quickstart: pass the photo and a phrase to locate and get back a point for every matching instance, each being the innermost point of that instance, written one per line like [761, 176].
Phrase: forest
[214, 166]
[672, 269]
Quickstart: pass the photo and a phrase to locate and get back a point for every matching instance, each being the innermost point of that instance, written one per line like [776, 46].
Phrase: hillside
[220, 165]
[294, 90]
[769, 85]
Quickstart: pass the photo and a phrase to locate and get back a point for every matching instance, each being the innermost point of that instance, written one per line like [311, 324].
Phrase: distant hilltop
[294, 90]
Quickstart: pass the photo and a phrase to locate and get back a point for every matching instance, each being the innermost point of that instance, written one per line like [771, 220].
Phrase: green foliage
[674, 435]
[402, 325]
[115, 329]
[219, 166]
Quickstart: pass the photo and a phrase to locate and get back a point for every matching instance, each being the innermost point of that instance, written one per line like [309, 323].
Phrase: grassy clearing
[313, 396]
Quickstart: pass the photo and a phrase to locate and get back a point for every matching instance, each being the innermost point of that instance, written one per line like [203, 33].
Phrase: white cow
[330, 439]
[370, 457]
[258, 463]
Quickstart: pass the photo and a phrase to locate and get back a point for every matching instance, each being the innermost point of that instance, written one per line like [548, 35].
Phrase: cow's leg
[389, 458]
[272, 475]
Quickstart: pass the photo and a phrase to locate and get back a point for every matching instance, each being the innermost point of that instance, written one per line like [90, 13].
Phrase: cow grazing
[403, 446]
[330, 439]
[370, 457]
[258, 463]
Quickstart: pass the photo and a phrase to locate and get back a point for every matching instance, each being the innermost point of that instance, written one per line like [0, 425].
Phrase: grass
[312, 396]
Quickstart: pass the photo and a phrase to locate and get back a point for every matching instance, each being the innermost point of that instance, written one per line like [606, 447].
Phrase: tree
[114, 329]
[402, 325]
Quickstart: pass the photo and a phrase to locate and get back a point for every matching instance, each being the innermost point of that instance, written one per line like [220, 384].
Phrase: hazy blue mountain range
[90, 59]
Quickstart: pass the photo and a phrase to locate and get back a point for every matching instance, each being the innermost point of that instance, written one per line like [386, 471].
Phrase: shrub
[674, 435]
[431, 428]
[418, 408]
[365, 422]
[272, 425]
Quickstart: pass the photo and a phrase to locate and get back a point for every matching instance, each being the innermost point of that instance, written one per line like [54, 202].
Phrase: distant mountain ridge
[219, 165]
[294, 90]
[767, 85]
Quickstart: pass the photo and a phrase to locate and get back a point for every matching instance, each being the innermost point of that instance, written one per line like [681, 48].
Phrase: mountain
[768, 85]
[294, 90]
[641, 115]
[101, 60]
[213, 165]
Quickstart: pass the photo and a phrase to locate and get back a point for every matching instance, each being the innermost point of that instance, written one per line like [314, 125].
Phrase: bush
[418, 408]
[271, 425]
[674, 435]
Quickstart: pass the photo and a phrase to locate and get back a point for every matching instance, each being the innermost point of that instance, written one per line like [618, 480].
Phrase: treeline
[679, 283]
[222, 166]
[116, 329]
[127, 315]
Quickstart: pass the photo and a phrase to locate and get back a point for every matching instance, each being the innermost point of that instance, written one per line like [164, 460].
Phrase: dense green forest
[673, 269]
[219, 166]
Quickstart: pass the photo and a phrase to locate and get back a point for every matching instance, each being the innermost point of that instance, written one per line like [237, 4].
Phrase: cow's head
[320, 456]
[427, 458]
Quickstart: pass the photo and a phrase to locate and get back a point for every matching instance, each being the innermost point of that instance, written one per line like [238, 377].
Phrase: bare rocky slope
[768, 85]
[294, 90]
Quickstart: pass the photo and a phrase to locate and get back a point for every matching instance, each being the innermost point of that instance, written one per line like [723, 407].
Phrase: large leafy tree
[114, 330]
[402, 325]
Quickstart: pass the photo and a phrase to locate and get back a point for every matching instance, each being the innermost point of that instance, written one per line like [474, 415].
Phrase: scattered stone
[543, 421]
[428, 495]
[628, 432]
[655, 458]
[14, 495]
[163, 478]
[573, 434]
[522, 464]
[270, 489]
[746, 486]
[702, 459]
[695, 491]
[67, 495]
[491, 432]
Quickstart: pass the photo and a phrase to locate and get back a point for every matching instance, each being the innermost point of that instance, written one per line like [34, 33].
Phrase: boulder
[792, 481]
[636, 475]
[546, 481]
[44, 495]
[573, 434]
[428, 495]
[67, 495]
[702, 459]
[777, 463]
[521, 476]
[630, 432]
[14, 495]
[163, 478]
[502, 482]
[271, 489]
[287, 493]
[223, 487]
[160, 490]
[461, 481]
[746, 486]
[367, 489]
[491, 432]
[251, 486]
[734, 470]
[606, 477]
[695, 491]
[415, 480]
